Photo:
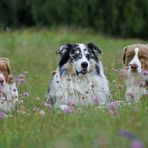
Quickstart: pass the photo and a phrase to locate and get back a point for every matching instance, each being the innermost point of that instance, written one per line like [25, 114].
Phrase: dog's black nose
[84, 64]
[134, 66]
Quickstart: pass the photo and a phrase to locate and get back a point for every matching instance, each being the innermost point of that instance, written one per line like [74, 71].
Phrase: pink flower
[47, 104]
[68, 110]
[70, 102]
[2, 115]
[145, 72]
[96, 100]
[112, 108]
[20, 80]
[127, 134]
[137, 144]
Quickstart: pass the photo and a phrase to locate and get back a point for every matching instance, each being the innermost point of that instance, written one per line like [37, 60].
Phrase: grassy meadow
[35, 125]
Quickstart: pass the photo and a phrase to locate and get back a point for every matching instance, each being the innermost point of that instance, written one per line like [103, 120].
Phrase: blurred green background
[117, 18]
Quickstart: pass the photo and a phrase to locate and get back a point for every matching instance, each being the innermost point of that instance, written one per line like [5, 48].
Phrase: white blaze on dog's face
[79, 56]
[136, 58]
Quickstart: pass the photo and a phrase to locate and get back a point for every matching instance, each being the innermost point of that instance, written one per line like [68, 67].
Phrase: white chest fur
[81, 89]
[8, 97]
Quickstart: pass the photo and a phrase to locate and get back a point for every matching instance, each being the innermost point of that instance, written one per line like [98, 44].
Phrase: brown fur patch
[5, 69]
[70, 69]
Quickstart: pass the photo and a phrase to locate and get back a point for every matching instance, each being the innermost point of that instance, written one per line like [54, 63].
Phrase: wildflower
[26, 94]
[145, 72]
[112, 108]
[96, 100]
[20, 80]
[70, 102]
[137, 144]
[127, 134]
[47, 104]
[68, 110]
[2, 115]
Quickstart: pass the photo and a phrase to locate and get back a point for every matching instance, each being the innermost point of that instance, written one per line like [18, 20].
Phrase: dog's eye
[142, 57]
[130, 56]
[4, 69]
[88, 56]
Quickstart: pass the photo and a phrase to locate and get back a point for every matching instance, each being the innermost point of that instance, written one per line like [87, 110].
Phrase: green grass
[34, 51]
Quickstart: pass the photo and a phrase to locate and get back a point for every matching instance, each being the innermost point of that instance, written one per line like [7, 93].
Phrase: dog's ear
[94, 48]
[124, 54]
[6, 61]
[63, 49]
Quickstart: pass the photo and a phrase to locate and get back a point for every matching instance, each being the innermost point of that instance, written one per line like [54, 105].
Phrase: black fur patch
[97, 69]
[73, 53]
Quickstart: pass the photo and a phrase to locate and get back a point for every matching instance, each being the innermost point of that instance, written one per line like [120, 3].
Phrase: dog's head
[135, 58]
[5, 71]
[80, 57]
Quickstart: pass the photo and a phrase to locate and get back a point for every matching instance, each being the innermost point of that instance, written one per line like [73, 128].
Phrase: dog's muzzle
[84, 70]
[134, 68]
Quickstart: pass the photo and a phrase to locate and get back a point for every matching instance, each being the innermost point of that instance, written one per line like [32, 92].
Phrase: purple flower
[145, 72]
[26, 94]
[70, 102]
[2, 115]
[137, 144]
[47, 104]
[96, 100]
[20, 80]
[112, 108]
[127, 134]
[68, 110]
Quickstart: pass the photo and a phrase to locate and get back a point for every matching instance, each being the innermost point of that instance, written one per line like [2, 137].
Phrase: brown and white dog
[79, 77]
[136, 71]
[8, 89]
